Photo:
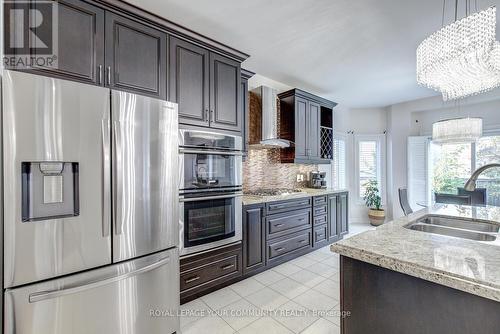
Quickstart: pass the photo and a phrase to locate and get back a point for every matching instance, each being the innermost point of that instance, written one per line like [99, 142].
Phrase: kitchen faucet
[470, 185]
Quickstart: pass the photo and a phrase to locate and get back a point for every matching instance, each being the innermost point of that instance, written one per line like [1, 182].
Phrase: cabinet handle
[108, 75]
[278, 225]
[226, 267]
[301, 219]
[302, 241]
[99, 78]
[279, 249]
[192, 279]
[206, 116]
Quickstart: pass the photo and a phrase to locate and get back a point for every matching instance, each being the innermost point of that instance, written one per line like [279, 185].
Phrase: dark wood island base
[382, 301]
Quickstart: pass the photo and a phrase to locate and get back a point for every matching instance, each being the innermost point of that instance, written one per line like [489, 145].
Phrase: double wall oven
[210, 190]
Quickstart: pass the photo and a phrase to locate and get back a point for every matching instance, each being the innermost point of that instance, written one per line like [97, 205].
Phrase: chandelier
[462, 58]
[457, 130]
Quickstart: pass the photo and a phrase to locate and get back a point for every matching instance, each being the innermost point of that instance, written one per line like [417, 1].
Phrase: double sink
[456, 227]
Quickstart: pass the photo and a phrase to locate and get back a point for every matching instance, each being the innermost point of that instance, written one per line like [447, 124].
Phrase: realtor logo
[30, 34]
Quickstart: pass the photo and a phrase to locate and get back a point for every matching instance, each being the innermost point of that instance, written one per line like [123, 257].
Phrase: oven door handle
[191, 151]
[206, 198]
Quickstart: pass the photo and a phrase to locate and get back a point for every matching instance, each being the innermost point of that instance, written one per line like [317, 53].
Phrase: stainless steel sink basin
[460, 223]
[452, 232]
[456, 227]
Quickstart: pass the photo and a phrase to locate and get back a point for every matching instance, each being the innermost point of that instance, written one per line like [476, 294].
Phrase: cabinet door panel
[313, 133]
[333, 232]
[300, 128]
[254, 248]
[80, 50]
[136, 56]
[342, 215]
[225, 82]
[189, 84]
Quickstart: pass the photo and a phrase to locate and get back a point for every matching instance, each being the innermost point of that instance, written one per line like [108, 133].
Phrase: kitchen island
[398, 280]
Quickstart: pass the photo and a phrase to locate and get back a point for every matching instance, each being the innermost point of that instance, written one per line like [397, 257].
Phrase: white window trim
[381, 147]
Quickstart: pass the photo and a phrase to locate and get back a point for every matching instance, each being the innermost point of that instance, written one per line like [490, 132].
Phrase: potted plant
[374, 203]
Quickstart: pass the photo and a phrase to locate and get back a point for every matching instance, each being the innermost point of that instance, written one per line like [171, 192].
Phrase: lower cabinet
[254, 238]
[338, 221]
[273, 233]
[210, 271]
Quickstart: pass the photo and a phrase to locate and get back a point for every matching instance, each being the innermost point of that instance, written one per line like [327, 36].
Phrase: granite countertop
[466, 265]
[304, 192]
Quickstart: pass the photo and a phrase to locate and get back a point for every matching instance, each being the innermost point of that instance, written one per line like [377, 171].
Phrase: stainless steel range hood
[269, 119]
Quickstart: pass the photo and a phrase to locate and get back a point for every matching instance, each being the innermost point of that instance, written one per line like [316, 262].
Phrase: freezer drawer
[134, 297]
[145, 175]
[56, 145]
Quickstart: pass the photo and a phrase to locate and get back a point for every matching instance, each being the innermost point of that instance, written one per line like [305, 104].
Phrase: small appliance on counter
[317, 180]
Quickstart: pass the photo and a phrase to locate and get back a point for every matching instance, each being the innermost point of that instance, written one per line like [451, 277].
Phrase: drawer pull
[301, 219]
[278, 225]
[302, 241]
[227, 266]
[279, 249]
[192, 279]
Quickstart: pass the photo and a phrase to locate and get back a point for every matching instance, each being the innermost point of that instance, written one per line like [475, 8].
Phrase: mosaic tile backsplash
[262, 169]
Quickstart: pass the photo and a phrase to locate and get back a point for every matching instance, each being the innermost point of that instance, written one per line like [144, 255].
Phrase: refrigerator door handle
[117, 181]
[106, 215]
[92, 284]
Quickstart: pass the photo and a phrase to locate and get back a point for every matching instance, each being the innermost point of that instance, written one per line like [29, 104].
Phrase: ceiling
[359, 53]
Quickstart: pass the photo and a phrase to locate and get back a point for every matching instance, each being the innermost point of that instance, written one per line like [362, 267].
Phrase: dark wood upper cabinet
[80, 54]
[189, 81]
[225, 81]
[301, 132]
[313, 131]
[136, 57]
[244, 101]
[254, 242]
[304, 118]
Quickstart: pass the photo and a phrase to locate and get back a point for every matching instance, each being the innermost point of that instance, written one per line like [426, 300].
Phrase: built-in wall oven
[210, 190]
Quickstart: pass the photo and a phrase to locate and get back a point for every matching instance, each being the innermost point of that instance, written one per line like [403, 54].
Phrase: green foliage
[372, 195]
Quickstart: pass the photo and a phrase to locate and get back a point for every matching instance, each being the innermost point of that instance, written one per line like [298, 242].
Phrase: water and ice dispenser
[49, 190]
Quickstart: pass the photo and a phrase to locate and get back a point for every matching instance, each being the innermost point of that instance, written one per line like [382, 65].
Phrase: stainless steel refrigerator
[90, 209]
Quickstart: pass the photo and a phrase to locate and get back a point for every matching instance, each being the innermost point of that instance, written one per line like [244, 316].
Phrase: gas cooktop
[272, 192]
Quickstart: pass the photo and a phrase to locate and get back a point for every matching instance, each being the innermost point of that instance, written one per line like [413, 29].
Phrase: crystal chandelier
[458, 130]
[462, 58]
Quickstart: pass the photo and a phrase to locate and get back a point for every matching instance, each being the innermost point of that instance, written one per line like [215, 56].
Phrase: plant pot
[377, 217]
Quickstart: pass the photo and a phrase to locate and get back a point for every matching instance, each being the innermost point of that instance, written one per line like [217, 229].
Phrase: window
[369, 162]
[452, 165]
[339, 161]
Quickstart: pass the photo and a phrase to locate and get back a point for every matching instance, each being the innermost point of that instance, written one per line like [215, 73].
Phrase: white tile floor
[300, 296]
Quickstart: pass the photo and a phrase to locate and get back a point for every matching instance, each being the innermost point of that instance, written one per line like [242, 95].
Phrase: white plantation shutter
[418, 170]
[368, 166]
[369, 163]
[339, 162]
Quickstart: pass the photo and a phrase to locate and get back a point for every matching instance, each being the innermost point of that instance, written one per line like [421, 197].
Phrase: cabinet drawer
[320, 235]
[320, 220]
[209, 272]
[289, 244]
[285, 206]
[319, 200]
[288, 222]
[320, 210]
